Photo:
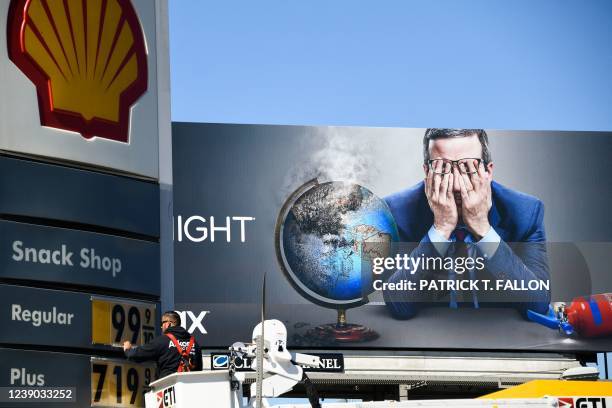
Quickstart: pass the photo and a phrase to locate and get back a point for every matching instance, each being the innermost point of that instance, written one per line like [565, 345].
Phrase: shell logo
[87, 59]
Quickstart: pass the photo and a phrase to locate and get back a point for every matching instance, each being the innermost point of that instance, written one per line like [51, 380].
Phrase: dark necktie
[460, 234]
[461, 251]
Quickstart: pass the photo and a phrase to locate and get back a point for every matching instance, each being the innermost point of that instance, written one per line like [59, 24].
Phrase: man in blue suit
[458, 205]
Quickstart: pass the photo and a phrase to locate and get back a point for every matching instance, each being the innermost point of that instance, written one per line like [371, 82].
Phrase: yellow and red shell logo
[87, 59]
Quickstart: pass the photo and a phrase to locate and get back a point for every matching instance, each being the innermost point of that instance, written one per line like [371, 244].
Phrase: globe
[327, 235]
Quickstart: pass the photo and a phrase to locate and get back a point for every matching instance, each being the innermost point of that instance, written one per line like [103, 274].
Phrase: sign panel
[49, 191]
[362, 249]
[117, 321]
[81, 380]
[41, 370]
[81, 84]
[53, 254]
[117, 383]
[72, 319]
[45, 317]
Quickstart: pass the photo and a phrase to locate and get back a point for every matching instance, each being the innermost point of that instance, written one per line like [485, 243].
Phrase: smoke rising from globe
[343, 154]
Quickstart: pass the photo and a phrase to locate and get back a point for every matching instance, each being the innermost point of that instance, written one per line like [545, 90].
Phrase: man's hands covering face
[439, 192]
[475, 198]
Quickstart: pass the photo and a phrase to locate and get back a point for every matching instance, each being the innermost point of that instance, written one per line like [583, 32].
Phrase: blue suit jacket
[515, 216]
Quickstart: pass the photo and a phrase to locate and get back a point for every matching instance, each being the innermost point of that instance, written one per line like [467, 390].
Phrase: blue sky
[520, 64]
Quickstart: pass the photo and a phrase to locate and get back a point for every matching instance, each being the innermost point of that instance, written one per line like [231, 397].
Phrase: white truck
[279, 370]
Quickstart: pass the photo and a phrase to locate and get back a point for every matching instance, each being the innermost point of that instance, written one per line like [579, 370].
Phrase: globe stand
[343, 332]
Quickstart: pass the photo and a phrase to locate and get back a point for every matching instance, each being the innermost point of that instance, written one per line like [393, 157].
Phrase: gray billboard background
[250, 170]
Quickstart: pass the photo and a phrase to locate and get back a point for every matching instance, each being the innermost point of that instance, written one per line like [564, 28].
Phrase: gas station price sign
[115, 321]
[118, 383]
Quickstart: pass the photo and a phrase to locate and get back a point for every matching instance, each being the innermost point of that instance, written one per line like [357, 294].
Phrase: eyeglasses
[445, 166]
[166, 321]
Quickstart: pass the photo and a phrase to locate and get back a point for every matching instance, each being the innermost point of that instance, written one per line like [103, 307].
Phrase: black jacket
[162, 350]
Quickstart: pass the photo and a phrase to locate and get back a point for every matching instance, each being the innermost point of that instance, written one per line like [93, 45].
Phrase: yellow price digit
[114, 322]
[118, 384]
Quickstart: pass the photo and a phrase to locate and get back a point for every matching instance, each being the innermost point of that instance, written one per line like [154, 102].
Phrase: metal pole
[260, 347]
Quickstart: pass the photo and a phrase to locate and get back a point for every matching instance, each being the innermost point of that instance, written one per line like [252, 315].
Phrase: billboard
[394, 238]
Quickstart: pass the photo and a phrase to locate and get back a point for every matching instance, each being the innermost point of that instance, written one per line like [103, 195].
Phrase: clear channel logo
[220, 361]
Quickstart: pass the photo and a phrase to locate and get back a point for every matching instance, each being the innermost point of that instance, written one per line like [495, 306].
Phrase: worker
[175, 350]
